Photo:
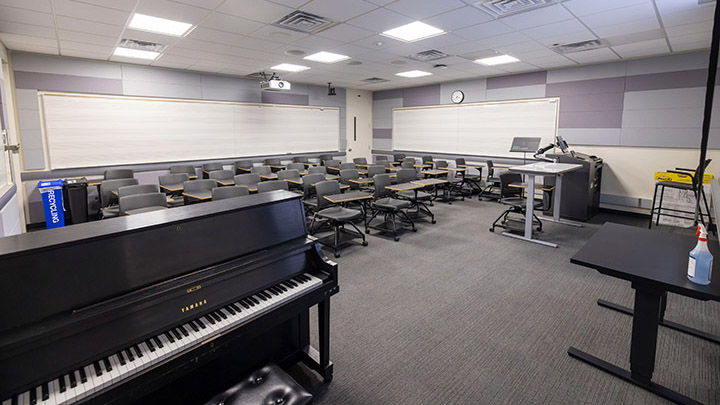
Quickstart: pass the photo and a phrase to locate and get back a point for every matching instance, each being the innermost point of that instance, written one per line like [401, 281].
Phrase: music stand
[525, 145]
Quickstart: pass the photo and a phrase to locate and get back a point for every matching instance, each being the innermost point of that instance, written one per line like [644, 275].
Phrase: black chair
[513, 197]
[381, 158]
[261, 170]
[299, 166]
[345, 166]
[332, 166]
[695, 186]
[300, 159]
[471, 180]
[360, 161]
[186, 169]
[221, 193]
[350, 174]
[195, 191]
[172, 184]
[428, 160]
[274, 163]
[141, 203]
[323, 158]
[290, 174]
[372, 170]
[416, 197]
[455, 183]
[223, 177]
[210, 167]
[336, 216]
[114, 174]
[249, 180]
[309, 200]
[491, 182]
[108, 200]
[391, 208]
[243, 166]
[398, 157]
[272, 185]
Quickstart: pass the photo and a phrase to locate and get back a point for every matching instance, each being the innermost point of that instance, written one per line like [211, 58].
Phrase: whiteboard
[95, 130]
[482, 129]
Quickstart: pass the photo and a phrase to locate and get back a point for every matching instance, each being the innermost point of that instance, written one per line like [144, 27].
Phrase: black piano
[113, 311]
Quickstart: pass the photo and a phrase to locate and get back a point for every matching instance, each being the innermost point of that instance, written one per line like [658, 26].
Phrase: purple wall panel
[525, 79]
[284, 98]
[79, 84]
[591, 119]
[669, 80]
[425, 95]
[382, 133]
[611, 85]
[592, 102]
[385, 94]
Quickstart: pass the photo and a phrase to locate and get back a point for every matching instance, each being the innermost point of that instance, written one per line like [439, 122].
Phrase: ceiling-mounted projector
[274, 83]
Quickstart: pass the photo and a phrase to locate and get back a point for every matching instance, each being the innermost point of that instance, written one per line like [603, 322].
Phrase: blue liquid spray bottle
[700, 263]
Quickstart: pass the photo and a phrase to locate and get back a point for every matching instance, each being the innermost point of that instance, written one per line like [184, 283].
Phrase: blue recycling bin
[51, 192]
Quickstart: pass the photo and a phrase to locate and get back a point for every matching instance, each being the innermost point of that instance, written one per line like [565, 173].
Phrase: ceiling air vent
[427, 56]
[304, 22]
[504, 8]
[375, 80]
[142, 45]
[579, 46]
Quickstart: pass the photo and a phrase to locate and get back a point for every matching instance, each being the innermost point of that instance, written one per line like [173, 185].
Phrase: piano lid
[51, 272]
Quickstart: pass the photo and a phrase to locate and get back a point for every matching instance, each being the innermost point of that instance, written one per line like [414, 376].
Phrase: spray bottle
[700, 263]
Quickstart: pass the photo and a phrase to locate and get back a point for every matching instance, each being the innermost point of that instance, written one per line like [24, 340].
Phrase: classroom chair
[187, 169]
[408, 165]
[513, 197]
[243, 166]
[272, 185]
[455, 183]
[333, 166]
[108, 200]
[410, 160]
[490, 183]
[221, 193]
[249, 180]
[172, 184]
[137, 189]
[275, 164]
[308, 187]
[261, 170]
[290, 174]
[196, 191]
[398, 157]
[345, 166]
[113, 174]
[350, 174]
[210, 167]
[300, 159]
[391, 208]
[335, 216]
[372, 170]
[473, 181]
[317, 170]
[360, 161]
[427, 160]
[223, 177]
[141, 203]
[323, 158]
[406, 176]
[695, 186]
[381, 158]
[299, 166]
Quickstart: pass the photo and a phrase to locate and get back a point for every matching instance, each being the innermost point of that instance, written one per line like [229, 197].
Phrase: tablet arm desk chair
[472, 180]
[243, 166]
[695, 186]
[272, 185]
[398, 157]
[223, 177]
[381, 158]
[140, 203]
[210, 167]
[391, 208]
[309, 200]
[513, 197]
[195, 191]
[332, 166]
[360, 161]
[108, 200]
[187, 169]
[249, 180]
[221, 193]
[455, 183]
[491, 182]
[336, 216]
[299, 166]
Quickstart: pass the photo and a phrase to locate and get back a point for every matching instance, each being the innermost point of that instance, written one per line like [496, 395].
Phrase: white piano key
[70, 393]
[38, 394]
[115, 372]
[24, 398]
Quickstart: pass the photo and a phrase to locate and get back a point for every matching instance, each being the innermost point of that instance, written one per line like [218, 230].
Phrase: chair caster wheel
[492, 229]
[367, 231]
[539, 229]
[414, 229]
[364, 243]
[337, 254]
[397, 239]
[433, 221]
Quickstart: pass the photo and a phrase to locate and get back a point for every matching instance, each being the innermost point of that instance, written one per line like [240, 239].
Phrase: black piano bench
[268, 385]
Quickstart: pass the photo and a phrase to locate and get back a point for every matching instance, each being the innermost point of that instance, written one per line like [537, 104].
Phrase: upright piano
[114, 310]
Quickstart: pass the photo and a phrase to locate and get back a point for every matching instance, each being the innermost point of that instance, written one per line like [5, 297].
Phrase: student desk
[364, 165]
[362, 182]
[272, 176]
[434, 172]
[244, 169]
[421, 207]
[352, 196]
[655, 263]
[435, 184]
[225, 183]
[542, 169]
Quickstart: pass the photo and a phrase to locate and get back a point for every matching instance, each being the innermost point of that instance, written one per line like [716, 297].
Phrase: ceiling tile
[27, 29]
[207, 34]
[36, 5]
[290, 3]
[625, 15]
[346, 33]
[338, 10]
[456, 19]
[370, 42]
[132, 61]
[351, 50]
[77, 53]
[21, 16]
[90, 12]
[207, 4]
[680, 12]
[555, 29]
[441, 41]
[419, 9]
[87, 38]
[173, 65]
[172, 11]
[125, 5]
[74, 24]
[484, 30]
[551, 61]
[703, 27]
[257, 44]
[518, 67]
[318, 43]
[644, 48]
[225, 22]
[504, 39]
[567, 38]
[380, 20]
[258, 10]
[28, 47]
[608, 31]
[30, 40]
[688, 42]
[275, 34]
[595, 55]
[585, 7]
[77, 46]
[534, 18]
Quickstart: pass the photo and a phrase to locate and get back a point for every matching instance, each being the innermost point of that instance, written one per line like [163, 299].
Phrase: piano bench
[268, 385]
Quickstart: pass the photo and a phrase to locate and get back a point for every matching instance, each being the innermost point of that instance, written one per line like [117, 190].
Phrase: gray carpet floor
[454, 314]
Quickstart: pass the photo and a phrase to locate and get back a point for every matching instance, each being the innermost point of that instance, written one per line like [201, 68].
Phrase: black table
[655, 263]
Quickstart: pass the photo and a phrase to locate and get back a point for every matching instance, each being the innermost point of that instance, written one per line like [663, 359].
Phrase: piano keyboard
[126, 363]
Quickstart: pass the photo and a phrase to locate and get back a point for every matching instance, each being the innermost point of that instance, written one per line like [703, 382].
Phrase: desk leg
[557, 199]
[529, 210]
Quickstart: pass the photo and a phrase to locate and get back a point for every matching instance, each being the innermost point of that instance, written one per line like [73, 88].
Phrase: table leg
[556, 204]
[529, 209]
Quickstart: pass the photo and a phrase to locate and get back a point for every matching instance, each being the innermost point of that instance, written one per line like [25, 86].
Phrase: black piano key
[83, 376]
[129, 354]
[245, 304]
[267, 295]
[236, 308]
[14, 400]
[222, 314]
[199, 322]
[138, 352]
[150, 345]
[292, 282]
[281, 287]
[298, 280]
[210, 319]
[33, 396]
[61, 380]
[121, 357]
[289, 285]
[169, 337]
[108, 365]
[176, 334]
[73, 381]
[274, 290]
[215, 316]
[262, 296]
[45, 392]
[98, 370]
[183, 330]
[230, 309]
[194, 327]
[254, 300]
[159, 342]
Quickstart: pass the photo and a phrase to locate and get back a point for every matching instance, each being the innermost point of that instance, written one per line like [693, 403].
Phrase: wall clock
[457, 96]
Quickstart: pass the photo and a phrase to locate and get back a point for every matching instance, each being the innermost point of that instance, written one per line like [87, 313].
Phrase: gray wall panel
[382, 143]
[574, 74]
[663, 137]
[591, 119]
[33, 159]
[284, 98]
[524, 79]
[382, 133]
[610, 85]
[516, 93]
[381, 95]
[667, 98]
[30, 62]
[592, 136]
[31, 138]
[155, 89]
[592, 102]
[231, 94]
[27, 99]
[474, 90]
[671, 63]
[669, 80]
[424, 95]
[57, 82]
[29, 119]
[382, 112]
[155, 75]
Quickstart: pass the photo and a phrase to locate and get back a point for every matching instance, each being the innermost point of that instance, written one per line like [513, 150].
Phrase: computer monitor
[562, 144]
[525, 144]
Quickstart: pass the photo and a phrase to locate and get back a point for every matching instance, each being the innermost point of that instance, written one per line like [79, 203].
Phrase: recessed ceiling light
[497, 60]
[326, 57]
[159, 25]
[295, 52]
[135, 53]
[279, 35]
[289, 67]
[413, 32]
[413, 73]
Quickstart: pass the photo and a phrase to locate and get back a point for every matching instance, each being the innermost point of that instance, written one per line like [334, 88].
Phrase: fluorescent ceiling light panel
[497, 60]
[135, 53]
[413, 32]
[326, 57]
[413, 73]
[159, 25]
[289, 67]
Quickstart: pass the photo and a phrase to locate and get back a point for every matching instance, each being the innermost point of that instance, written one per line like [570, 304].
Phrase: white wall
[359, 104]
